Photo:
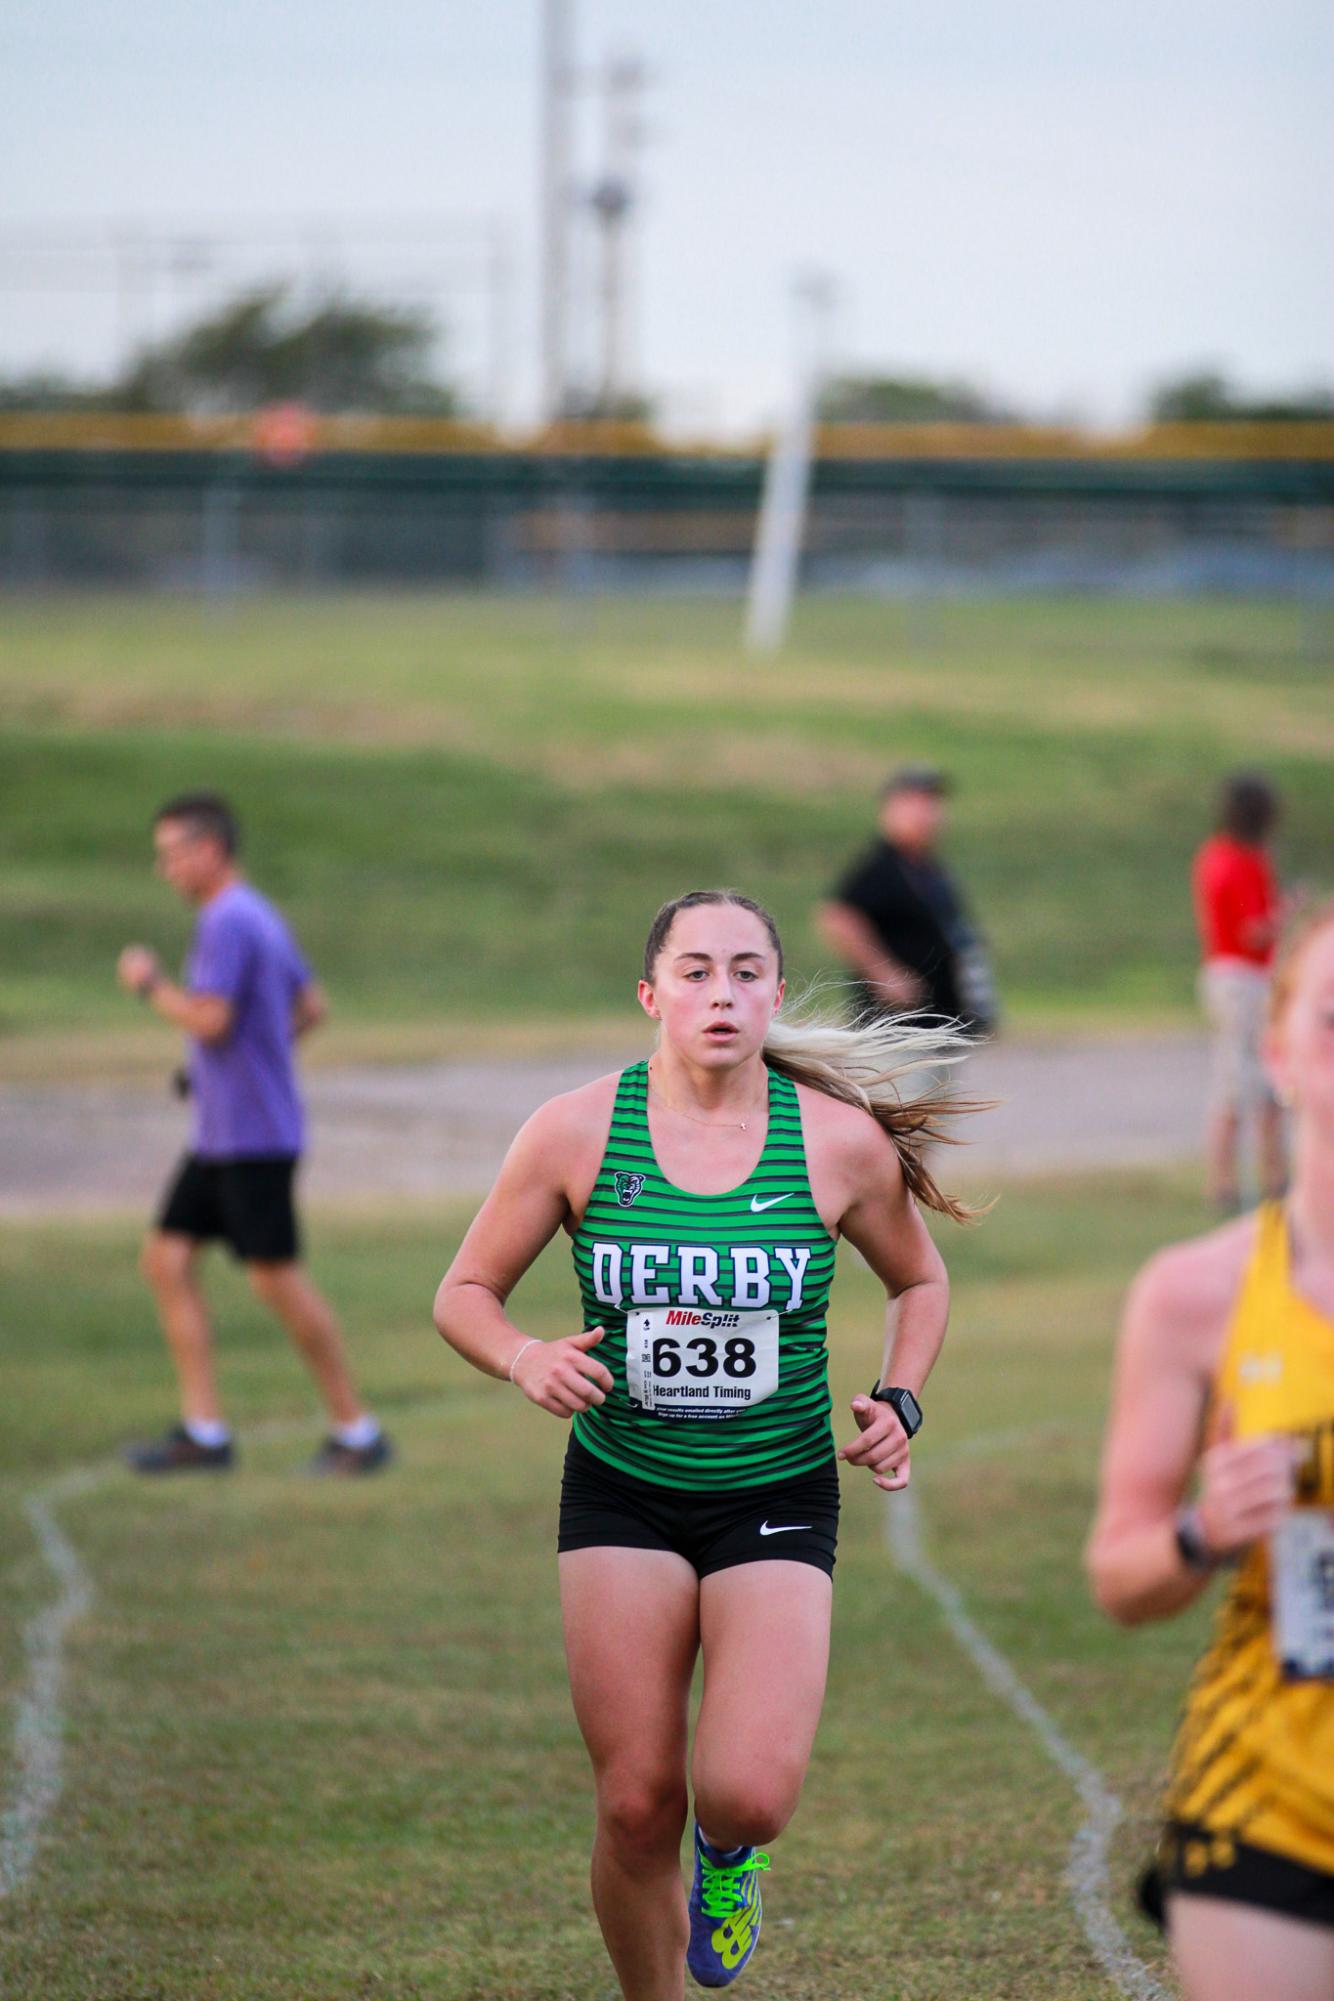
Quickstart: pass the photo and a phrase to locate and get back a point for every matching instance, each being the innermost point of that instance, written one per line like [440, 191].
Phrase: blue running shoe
[725, 1912]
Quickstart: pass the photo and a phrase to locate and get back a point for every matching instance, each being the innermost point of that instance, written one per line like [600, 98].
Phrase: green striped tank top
[714, 1309]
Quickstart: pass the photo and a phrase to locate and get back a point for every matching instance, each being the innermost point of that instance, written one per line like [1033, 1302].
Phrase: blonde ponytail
[868, 1065]
[864, 1065]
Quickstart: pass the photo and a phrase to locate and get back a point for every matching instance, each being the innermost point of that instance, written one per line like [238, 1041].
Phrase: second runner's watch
[904, 1406]
[1193, 1546]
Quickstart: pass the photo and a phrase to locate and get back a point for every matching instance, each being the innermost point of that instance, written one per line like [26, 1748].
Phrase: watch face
[910, 1411]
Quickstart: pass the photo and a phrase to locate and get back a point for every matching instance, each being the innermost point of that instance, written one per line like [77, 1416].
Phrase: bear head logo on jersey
[628, 1188]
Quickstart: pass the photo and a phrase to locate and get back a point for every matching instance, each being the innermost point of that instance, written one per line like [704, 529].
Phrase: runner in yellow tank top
[1229, 1340]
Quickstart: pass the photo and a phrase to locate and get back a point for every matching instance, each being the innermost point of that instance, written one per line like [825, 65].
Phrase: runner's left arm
[885, 1224]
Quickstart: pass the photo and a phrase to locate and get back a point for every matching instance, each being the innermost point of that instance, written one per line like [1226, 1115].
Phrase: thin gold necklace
[722, 1125]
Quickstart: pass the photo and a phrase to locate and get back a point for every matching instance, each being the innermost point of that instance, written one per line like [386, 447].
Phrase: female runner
[703, 1192]
[1228, 1345]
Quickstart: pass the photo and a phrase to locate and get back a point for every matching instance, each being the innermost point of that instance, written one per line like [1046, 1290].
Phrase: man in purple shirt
[248, 995]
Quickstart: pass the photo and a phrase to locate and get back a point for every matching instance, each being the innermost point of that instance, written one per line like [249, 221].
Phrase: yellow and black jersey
[1254, 1758]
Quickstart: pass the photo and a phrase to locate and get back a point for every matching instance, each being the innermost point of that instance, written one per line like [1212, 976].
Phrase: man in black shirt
[898, 922]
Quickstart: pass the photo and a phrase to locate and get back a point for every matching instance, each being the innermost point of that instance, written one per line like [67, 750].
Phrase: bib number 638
[682, 1363]
[700, 1357]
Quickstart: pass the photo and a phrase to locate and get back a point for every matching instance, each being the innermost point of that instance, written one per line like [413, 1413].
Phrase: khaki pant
[1235, 998]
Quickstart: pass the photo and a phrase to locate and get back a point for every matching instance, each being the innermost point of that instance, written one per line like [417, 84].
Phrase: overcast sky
[1060, 199]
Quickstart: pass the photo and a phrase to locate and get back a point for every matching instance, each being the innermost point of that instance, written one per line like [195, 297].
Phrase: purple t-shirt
[244, 1088]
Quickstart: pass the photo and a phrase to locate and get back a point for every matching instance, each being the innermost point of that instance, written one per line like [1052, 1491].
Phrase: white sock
[362, 1431]
[208, 1430]
[725, 1856]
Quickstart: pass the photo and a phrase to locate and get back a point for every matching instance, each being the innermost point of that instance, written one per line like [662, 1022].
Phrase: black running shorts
[1193, 1862]
[795, 1519]
[246, 1204]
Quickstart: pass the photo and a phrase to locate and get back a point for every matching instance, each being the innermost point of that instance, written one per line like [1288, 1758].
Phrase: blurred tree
[906, 399]
[1206, 396]
[347, 354]
[1203, 397]
[44, 390]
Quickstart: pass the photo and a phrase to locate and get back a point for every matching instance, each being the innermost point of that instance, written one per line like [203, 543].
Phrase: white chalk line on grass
[39, 1721]
[38, 1724]
[1086, 1870]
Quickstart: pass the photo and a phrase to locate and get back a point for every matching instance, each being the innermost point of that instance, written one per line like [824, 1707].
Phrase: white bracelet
[531, 1343]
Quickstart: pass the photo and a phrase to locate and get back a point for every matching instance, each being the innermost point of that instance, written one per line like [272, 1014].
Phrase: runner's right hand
[1246, 1487]
[561, 1376]
[136, 964]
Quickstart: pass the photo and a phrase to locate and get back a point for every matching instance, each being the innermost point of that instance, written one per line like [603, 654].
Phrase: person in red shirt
[1239, 911]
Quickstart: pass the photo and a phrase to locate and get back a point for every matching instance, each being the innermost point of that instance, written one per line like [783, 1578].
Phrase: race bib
[1301, 1557]
[700, 1362]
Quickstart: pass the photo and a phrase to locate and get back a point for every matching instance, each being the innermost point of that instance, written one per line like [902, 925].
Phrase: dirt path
[440, 1130]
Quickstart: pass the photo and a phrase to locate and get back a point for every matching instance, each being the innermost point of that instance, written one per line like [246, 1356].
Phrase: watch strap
[895, 1397]
[1192, 1547]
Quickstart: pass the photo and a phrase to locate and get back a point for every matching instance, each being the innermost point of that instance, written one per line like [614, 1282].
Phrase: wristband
[1192, 1546]
[532, 1342]
[147, 988]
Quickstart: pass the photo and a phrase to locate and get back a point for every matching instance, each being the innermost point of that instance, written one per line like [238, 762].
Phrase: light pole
[611, 201]
[555, 204]
[782, 519]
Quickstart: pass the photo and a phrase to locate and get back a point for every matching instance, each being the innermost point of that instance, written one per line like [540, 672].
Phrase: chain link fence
[916, 522]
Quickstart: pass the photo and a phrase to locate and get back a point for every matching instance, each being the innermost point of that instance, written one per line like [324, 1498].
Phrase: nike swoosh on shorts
[769, 1202]
[783, 1528]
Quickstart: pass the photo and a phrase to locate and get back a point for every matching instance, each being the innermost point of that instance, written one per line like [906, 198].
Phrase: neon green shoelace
[721, 1890]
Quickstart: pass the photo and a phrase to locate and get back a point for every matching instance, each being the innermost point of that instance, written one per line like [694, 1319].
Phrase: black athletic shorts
[247, 1204]
[1193, 1862]
[796, 1518]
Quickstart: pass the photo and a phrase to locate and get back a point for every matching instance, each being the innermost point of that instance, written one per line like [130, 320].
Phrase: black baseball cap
[917, 778]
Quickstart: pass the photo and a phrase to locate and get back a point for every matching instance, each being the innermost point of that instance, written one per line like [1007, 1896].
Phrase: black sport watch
[904, 1406]
[1192, 1545]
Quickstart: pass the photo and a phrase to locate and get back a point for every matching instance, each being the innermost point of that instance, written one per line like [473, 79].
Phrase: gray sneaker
[177, 1452]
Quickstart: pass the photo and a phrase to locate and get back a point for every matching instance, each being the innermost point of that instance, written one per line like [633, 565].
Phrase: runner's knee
[269, 1282]
[640, 1814]
[746, 1810]
[165, 1260]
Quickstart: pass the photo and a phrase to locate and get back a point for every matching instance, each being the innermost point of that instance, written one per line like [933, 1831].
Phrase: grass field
[318, 1743]
[471, 808]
